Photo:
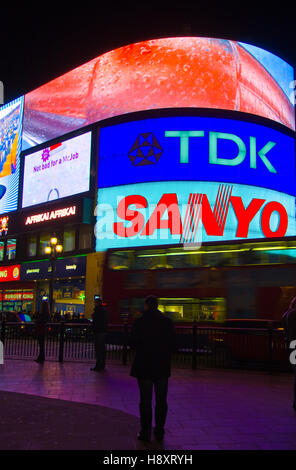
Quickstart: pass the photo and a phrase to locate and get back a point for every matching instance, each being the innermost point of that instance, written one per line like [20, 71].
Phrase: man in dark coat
[153, 338]
[42, 318]
[100, 324]
[289, 324]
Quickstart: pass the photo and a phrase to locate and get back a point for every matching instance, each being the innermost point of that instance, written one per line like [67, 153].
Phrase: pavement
[65, 406]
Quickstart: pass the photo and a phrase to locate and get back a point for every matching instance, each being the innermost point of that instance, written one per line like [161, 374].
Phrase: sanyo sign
[197, 149]
[175, 212]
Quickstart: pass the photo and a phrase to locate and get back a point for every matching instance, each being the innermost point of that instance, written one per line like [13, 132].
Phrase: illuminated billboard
[11, 116]
[196, 148]
[147, 214]
[58, 171]
[188, 72]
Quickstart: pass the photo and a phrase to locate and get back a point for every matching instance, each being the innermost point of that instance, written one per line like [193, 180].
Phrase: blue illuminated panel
[196, 148]
[148, 214]
[11, 118]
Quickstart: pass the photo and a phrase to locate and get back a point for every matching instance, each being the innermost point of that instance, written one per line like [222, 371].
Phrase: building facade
[166, 166]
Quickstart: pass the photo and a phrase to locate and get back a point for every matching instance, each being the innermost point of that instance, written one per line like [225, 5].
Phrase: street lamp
[52, 250]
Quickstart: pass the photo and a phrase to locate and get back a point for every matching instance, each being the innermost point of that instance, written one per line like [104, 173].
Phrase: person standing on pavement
[100, 325]
[154, 340]
[289, 324]
[42, 318]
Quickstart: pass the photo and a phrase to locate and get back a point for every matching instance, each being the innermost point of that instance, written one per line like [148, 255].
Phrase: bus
[245, 281]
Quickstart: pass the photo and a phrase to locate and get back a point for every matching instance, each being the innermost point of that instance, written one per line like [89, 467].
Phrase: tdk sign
[197, 149]
[214, 137]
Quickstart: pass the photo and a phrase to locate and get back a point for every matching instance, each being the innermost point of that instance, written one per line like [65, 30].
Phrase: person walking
[42, 318]
[100, 326]
[289, 324]
[153, 338]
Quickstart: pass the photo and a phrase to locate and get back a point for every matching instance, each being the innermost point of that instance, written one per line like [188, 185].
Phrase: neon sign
[197, 148]
[9, 273]
[51, 215]
[176, 212]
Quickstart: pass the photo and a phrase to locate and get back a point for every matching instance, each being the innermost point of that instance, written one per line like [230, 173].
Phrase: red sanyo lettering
[133, 216]
[211, 220]
[168, 202]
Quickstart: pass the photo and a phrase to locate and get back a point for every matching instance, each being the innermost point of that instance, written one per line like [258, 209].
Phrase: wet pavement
[66, 406]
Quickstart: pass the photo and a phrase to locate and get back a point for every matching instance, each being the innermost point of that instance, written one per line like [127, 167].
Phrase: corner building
[166, 167]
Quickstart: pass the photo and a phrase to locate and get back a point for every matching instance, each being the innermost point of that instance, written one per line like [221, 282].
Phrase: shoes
[144, 436]
[97, 369]
[159, 434]
[40, 361]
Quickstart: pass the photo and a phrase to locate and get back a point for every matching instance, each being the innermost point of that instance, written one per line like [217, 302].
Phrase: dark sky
[39, 44]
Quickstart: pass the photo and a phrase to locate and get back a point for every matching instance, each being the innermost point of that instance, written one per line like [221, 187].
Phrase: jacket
[40, 323]
[289, 325]
[154, 340]
[100, 320]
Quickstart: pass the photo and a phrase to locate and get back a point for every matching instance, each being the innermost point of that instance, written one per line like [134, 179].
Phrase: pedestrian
[100, 325]
[289, 324]
[154, 340]
[42, 318]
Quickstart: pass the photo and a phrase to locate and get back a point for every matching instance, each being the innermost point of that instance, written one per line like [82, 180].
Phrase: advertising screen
[185, 212]
[162, 73]
[201, 148]
[58, 171]
[11, 116]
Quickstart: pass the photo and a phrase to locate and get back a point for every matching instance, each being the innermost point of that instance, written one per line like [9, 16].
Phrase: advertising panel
[201, 148]
[64, 268]
[9, 273]
[58, 171]
[147, 214]
[11, 117]
[162, 73]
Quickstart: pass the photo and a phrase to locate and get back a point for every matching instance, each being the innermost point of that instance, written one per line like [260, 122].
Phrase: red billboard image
[9, 273]
[162, 73]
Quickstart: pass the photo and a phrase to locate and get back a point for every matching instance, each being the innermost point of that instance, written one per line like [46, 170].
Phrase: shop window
[1, 251]
[44, 241]
[32, 245]
[85, 237]
[11, 248]
[69, 240]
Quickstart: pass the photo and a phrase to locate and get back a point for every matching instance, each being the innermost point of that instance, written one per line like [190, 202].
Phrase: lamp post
[52, 249]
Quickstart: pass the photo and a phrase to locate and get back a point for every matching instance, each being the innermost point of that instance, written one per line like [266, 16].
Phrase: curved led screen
[200, 148]
[11, 118]
[162, 73]
[147, 214]
[58, 171]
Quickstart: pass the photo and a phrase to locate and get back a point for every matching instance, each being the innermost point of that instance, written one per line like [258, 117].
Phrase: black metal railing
[197, 346]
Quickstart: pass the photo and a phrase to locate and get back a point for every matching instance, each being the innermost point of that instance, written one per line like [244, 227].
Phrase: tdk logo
[147, 150]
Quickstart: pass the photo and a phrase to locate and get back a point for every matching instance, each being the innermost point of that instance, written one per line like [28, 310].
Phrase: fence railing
[197, 346]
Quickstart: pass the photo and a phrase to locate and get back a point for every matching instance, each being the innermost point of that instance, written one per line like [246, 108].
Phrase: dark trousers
[100, 350]
[161, 407]
[41, 342]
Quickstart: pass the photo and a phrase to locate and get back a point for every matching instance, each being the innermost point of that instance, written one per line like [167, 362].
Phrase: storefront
[15, 296]
[68, 284]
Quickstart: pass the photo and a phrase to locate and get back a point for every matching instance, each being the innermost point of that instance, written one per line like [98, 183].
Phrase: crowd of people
[57, 317]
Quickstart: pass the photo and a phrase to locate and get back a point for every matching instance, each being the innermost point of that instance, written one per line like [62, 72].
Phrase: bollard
[194, 345]
[62, 340]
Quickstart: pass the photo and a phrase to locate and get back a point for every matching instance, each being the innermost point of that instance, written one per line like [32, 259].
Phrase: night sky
[40, 44]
